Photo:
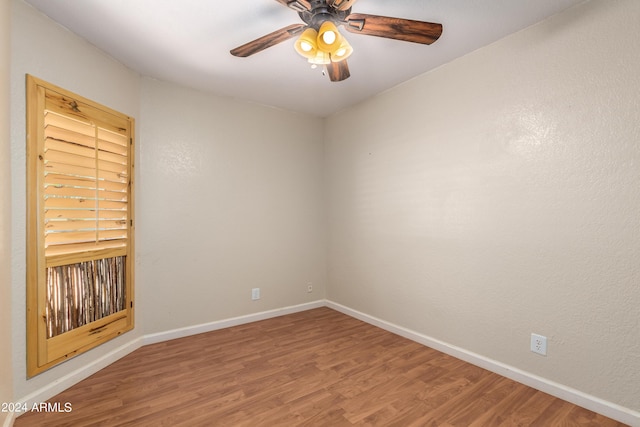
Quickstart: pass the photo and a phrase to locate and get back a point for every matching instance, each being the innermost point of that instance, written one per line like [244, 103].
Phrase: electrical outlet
[539, 344]
[309, 287]
[255, 293]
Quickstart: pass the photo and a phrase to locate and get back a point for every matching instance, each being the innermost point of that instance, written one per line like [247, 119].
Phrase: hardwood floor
[314, 368]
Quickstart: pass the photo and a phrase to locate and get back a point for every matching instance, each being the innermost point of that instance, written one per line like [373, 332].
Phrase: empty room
[320, 212]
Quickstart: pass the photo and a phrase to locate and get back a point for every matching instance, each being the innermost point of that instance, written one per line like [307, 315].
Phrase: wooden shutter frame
[42, 352]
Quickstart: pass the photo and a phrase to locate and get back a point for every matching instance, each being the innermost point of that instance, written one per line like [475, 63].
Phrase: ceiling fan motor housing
[320, 12]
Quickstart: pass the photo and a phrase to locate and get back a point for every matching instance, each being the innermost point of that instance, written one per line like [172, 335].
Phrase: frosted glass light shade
[321, 58]
[342, 52]
[306, 45]
[329, 39]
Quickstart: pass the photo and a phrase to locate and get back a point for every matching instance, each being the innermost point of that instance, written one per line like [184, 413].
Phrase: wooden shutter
[85, 185]
[80, 224]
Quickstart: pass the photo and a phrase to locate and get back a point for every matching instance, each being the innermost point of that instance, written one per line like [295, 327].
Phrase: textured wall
[494, 197]
[229, 199]
[6, 373]
[499, 195]
[235, 188]
[48, 51]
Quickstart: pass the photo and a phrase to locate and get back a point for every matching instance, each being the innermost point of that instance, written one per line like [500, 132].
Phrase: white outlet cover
[539, 344]
[255, 294]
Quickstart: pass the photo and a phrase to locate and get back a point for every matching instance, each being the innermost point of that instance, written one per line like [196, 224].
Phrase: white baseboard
[10, 418]
[63, 383]
[577, 397]
[608, 409]
[227, 323]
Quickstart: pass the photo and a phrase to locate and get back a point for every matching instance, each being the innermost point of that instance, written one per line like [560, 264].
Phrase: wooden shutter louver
[80, 224]
[86, 186]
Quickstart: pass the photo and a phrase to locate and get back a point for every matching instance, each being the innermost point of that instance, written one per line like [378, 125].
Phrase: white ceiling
[188, 42]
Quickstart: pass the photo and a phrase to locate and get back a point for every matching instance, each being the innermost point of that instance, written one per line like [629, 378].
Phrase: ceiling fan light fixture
[329, 38]
[306, 45]
[321, 43]
[321, 58]
[342, 52]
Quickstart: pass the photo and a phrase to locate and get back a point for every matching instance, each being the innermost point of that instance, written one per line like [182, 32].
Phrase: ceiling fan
[321, 43]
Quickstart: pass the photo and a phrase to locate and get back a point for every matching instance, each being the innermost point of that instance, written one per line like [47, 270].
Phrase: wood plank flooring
[314, 368]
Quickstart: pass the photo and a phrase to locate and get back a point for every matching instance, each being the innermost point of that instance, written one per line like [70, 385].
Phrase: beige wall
[235, 187]
[493, 197]
[229, 199]
[499, 195]
[48, 51]
[6, 372]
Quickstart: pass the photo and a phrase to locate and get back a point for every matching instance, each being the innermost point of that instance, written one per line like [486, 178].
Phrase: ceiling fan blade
[269, 40]
[341, 4]
[393, 28]
[297, 5]
[338, 71]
